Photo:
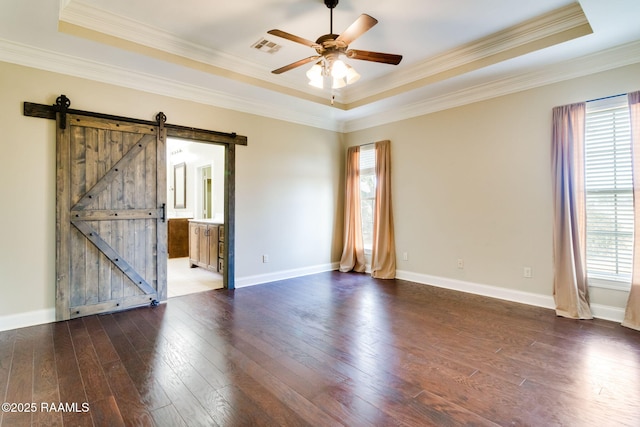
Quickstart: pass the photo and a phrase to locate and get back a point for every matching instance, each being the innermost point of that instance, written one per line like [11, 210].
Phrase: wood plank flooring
[329, 349]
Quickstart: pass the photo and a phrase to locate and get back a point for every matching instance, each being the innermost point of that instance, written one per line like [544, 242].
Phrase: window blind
[367, 192]
[609, 191]
[367, 157]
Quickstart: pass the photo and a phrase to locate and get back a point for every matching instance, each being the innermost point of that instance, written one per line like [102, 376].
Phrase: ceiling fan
[330, 47]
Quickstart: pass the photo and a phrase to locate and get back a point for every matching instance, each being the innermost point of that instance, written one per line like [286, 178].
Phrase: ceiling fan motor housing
[331, 3]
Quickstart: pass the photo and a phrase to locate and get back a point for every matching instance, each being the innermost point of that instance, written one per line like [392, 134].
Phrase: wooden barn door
[111, 230]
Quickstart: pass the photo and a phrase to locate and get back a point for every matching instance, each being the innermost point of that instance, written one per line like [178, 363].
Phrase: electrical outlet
[265, 259]
[405, 256]
[528, 272]
[460, 263]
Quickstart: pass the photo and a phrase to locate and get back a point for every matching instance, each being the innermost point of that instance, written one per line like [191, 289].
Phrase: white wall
[287, 186]
[474, 183]
[195, 155]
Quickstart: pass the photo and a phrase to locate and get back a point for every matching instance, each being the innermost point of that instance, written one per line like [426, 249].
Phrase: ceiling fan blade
[296, 64]
[365, 55]
[358, 28]
[293, 38]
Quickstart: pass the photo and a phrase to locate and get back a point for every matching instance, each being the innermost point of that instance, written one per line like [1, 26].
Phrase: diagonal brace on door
[94, 237]
[116, 169]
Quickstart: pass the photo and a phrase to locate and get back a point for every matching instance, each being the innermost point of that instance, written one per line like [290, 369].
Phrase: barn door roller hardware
[62, 106]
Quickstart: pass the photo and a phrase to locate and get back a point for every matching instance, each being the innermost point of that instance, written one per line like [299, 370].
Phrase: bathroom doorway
[203, 200]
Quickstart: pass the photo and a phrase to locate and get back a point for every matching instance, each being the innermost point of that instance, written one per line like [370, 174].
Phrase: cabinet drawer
[221, 233]
[221, 249]
[220, 265]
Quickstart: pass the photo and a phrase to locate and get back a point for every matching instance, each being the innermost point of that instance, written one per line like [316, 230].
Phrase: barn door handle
[164, 212]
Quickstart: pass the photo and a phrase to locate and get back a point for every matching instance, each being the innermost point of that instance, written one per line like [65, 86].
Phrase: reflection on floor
[182, 280]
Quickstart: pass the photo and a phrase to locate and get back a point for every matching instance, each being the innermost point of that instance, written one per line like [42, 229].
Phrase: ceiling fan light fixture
[315, 72]
[338, 69]
[330, 70]
[336, 73]
[338, 83]
[317, 82]
[352, 75]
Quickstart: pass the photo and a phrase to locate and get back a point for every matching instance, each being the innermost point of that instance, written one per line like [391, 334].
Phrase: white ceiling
[454, 51]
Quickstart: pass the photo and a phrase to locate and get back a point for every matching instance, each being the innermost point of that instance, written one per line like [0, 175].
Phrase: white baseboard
[614, 314]
[31, 318]
[537, 300]
[605, 312]
[284, 274]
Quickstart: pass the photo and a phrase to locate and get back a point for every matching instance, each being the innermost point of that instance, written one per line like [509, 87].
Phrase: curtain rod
[606, 97]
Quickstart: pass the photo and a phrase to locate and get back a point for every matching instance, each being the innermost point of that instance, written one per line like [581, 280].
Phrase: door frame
[60, 109]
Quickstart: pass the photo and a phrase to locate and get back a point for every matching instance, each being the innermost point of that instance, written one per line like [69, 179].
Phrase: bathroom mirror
[180, 186]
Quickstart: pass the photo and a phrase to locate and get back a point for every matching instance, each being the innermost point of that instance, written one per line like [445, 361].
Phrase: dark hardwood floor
[323, 350]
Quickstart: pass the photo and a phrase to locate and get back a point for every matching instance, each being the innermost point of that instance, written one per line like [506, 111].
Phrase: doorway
[203, 202]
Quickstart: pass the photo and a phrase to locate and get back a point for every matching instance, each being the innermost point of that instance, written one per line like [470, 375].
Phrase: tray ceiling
[454, 52]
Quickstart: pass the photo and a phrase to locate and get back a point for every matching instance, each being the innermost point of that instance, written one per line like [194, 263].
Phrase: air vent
[267, 46]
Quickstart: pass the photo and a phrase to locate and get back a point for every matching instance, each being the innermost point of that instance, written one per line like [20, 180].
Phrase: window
[367, 193]
[609, 193]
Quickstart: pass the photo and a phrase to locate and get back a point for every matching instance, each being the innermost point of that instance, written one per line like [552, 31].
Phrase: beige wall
[474, 183]
[287, 184]
[289, 198]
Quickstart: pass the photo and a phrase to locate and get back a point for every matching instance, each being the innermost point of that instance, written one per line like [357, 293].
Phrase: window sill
[595, 282]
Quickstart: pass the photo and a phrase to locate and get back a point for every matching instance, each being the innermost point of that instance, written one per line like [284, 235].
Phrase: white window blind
[367, 192]
[609, 192]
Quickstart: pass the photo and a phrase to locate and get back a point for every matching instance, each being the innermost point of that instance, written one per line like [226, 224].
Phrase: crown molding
[33, 57]
[557, 26]
[84, 15]
[542, 27]
[609, 59]
[29, 56]
[80, 14]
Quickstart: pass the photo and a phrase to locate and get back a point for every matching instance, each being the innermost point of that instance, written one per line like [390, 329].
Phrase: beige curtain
[383, 253]
[353, 250]
[632, 312]
[570, 290]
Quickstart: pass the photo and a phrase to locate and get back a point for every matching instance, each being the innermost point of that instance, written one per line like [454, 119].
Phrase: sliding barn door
[111, 230]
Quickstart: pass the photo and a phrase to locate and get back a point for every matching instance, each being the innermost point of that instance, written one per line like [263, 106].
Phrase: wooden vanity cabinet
[196, 258]
[178, 237]
[221, 249]
[204, 245]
